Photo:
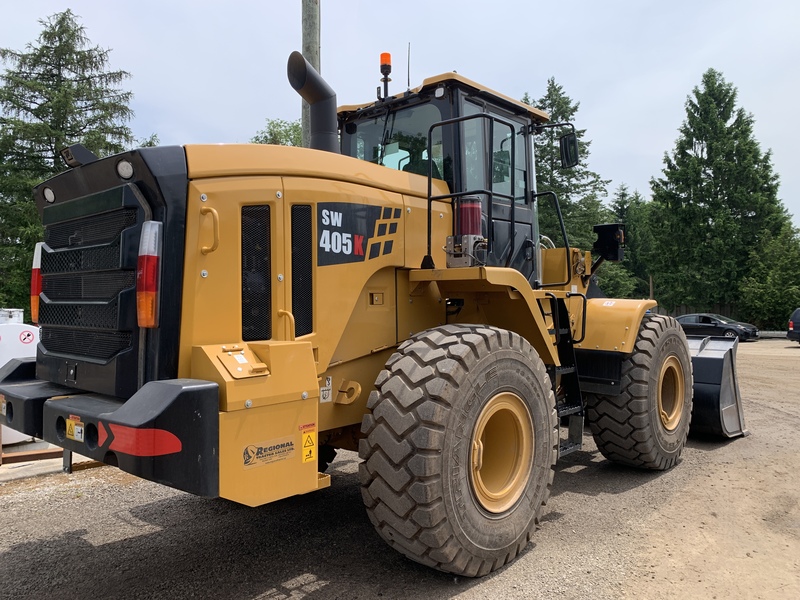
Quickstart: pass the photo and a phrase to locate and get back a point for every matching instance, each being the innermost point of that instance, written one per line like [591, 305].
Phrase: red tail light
[791, 326]
[36, 282]
[148, 273]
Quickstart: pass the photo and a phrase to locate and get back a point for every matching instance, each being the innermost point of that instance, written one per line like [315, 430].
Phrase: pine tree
[57, 92]
[771, 291]
[716, 201]
[632, 210]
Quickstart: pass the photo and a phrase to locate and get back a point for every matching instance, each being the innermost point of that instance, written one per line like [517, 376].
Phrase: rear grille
[101, 258]
[100, 316]
[88, 286]
[100, 345]
[95, 229]
[88, 263]
[256, 274]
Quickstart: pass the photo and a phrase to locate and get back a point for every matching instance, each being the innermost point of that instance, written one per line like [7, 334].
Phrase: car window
[724, 319]
[688, 319]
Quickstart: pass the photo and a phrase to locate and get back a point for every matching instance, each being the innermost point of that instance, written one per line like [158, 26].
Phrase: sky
[213, 72]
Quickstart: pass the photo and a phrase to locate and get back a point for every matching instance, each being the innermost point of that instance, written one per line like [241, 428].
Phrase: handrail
[427, 261]
[563, 233]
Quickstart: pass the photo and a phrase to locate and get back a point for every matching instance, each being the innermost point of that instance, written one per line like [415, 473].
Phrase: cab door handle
[205, 210]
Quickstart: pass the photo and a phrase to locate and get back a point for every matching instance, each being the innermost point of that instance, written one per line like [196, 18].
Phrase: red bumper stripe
[143, 442]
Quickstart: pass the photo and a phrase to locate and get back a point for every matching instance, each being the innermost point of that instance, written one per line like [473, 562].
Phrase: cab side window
[507, 174]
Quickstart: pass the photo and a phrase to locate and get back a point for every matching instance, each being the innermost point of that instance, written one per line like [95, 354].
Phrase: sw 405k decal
[349, 233]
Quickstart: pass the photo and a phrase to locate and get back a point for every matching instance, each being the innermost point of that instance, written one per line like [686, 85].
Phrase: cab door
[495, 166]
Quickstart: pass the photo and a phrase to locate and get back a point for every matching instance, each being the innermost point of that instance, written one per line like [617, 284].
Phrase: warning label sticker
[264, 453]
[326, 391]
[75, 430]
[309, 446]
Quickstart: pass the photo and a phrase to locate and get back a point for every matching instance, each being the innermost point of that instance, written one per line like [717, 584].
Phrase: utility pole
[311, 53]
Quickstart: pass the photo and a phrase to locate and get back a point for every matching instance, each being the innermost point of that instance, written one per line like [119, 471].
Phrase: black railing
[490, 194]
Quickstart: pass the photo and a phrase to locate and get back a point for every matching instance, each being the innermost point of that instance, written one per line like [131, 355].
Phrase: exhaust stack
[320, 97]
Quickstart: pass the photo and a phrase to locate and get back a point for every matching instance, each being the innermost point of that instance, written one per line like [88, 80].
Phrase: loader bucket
[717, 403]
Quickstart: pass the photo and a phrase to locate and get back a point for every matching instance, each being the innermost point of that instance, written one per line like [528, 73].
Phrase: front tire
[460, 446]
[646, 425]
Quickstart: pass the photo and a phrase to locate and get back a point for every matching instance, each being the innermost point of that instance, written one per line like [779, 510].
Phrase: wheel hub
[502, 452]
[670, 393]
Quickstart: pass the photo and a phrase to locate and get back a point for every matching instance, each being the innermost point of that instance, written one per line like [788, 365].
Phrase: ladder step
[563, 370]
[561, 332]
[569, 409]
[567, 447]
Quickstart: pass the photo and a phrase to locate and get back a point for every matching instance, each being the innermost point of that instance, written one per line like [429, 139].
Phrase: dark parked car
[711, 324]
[794, 326]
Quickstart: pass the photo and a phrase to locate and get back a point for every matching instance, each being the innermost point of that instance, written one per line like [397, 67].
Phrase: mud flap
[717, 402]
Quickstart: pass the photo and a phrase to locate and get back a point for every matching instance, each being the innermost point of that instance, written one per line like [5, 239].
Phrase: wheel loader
[222, 318]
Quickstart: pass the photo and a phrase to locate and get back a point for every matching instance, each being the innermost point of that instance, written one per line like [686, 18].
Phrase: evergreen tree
[280, 132]
[57, 92]
[580, 190]
[632, 210]
[771, 291]
[716, 202]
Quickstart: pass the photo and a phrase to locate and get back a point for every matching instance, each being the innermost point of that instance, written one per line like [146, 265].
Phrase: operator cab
[476, 140]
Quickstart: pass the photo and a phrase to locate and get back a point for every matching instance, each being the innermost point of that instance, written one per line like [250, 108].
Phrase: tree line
[713, 234]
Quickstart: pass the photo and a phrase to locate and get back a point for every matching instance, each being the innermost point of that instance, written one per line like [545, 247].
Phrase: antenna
[408, 64]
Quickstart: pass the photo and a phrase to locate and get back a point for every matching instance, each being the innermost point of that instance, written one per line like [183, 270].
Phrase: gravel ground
[725, 523]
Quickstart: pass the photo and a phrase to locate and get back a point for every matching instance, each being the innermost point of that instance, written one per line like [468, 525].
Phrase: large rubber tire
[647, 423]
[459, 448]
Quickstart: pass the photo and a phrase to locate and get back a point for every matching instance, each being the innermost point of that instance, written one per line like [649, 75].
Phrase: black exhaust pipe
[320, 97]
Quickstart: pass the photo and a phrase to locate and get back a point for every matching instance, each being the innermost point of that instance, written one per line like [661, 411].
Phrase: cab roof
[453, 79]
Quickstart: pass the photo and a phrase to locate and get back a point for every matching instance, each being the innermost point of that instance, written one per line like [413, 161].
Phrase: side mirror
[568, 143]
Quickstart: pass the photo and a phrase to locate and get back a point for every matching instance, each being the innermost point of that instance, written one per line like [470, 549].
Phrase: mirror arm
[539, 127]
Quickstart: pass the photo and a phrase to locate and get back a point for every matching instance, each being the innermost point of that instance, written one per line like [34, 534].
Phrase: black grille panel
[96, 229]
[302, 261]
[93, 344]
[89, 286]
[101, 316]
[256, 274]
[101, 258]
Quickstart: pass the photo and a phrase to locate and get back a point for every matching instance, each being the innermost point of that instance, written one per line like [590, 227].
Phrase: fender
[613, 324]
[505, 297]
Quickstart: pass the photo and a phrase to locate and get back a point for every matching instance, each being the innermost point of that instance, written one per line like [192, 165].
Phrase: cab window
[399, 140]
[504, 170]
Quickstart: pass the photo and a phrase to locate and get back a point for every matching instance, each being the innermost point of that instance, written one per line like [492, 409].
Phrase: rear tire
[460, 446]
[646, 425]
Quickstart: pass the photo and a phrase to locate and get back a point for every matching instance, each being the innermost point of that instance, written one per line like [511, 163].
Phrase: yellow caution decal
[75, 428]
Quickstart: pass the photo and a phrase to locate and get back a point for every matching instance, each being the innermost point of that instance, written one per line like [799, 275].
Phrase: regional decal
[258, 455]
[349, 233]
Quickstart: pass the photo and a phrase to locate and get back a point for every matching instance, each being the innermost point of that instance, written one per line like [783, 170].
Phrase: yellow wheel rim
[502, 452]
[670, 393]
